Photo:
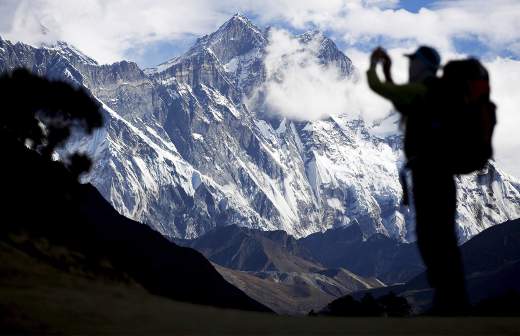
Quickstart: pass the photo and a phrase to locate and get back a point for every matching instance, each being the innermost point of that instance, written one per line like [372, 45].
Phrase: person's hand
[376, 55]
[387, 64]
[386, 61]
[379, 55]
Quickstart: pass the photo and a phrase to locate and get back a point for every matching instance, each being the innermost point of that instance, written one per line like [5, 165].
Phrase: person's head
[423, 62]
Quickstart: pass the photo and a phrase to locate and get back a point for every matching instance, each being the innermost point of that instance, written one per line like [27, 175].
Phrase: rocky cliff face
[184, 153]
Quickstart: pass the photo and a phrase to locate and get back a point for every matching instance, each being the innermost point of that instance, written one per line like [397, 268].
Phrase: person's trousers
[435, 202]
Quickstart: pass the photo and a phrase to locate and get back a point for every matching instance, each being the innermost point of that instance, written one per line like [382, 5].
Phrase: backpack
[468, 116]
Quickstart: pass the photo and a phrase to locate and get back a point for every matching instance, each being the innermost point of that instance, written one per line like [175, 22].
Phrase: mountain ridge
[184, 154]
[252, 250]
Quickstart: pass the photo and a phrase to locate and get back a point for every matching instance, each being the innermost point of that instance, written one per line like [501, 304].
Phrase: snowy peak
[238, 24]
[239, 20]
[236, 37]
[328, 52]
[310, 36]
[70, 52]
[229, 60]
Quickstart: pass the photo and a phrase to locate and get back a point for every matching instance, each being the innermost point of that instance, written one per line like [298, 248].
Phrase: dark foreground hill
[38, 298]
[56, 224]
[66, 303]
[492, 268]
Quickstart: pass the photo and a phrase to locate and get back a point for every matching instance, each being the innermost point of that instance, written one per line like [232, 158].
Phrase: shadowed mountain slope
[43, 204]
[294, 276]
[297, 293]
[254, 250]
[491, 264]
[379, 256]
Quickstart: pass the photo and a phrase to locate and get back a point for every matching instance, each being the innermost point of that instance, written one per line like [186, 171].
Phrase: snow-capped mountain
[185, 149]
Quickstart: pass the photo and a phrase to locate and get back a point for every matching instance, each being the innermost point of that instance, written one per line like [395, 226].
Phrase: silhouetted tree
[394, 306]
[370, 306]
[345, 306]
[78, 163]
[386, 305]
[42, 114]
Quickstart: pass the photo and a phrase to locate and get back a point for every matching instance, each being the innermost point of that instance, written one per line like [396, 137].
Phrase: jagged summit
[328, 52]
[68, 50]
[235, 37]
[311, 35]
[238, 36]
[234, 54]
[241, 19]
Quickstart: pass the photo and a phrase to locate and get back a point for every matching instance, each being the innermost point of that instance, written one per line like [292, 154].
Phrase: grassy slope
[36, 297]
[299, 293]
[42, 200]
[272, 269]
[297, 298]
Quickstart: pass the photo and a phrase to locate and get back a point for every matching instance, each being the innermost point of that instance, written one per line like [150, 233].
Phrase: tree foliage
[387, 305]
[42, 114]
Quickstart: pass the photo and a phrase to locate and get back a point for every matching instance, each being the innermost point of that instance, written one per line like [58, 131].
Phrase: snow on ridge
[161, 165]
[220, 100]
[197, 136]
[68, 50]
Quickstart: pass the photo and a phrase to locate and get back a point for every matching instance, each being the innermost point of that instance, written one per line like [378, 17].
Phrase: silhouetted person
[434, 192]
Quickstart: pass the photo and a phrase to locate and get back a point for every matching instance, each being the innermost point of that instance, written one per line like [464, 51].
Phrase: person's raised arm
[402, 96]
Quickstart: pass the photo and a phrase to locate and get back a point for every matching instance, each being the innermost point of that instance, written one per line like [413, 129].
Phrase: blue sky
[160, 51]
[415, 5]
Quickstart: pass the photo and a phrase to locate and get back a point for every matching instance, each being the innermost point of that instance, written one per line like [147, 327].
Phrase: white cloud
[298, 86]
[505, 92]
[493, 23]
[106, 30]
